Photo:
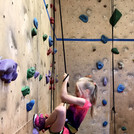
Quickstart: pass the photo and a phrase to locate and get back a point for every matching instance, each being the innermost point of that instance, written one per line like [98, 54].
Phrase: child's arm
[65, 97]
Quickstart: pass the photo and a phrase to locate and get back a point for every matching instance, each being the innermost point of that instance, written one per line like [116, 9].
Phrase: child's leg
[57, 119]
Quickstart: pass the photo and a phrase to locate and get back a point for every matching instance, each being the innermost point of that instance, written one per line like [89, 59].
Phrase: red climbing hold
[52, 6]
[49, 51]
[52, 20]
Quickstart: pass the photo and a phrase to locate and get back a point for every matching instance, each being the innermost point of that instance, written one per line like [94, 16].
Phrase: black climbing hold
[115, 50]
[44, 37]
[124, 128]
[33, 32]
[83, 18]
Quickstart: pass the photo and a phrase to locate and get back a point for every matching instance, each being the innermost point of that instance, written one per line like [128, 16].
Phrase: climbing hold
[99, 65]
[35, 21]
[120, 88]
[46, 6]
[33, 32]
[52, 20]
[105, 81]
[51, 80]
[35, 131]
[47, 79]
[55, 51]
[56, 79]
[52, 6]
[105, 123]
[49, 73]
[49, 51]
[104, 102]
[51, 87]
[40, 78]
[83, 18]
[104, 39]
[50, 41]
[36, 74]
[120, 65]
[8, 70]
[124, 128]
[115, 50]
[30, 105]
[115, 17]
[25, 90]
[30, 72]
[44, 37]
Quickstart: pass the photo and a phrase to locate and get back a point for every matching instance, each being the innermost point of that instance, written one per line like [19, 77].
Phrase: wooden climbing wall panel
[124, 102]
[82, 56]
[16, 23]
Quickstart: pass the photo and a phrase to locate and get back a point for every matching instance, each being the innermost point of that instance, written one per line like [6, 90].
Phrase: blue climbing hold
[30, 105]
[55, 51]
[104, 39]
[105, 123]
[99, 65]
[120, 88]
[35, 21]
[105, 81]
[50, 41]
[104, 102]
[84, 18]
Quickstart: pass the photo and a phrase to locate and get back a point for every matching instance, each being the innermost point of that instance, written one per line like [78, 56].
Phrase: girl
[63, 121]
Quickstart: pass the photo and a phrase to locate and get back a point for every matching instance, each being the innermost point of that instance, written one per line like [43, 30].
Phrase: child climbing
[67, 121]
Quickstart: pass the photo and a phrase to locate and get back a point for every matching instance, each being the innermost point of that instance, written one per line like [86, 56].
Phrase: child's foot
[39, 122]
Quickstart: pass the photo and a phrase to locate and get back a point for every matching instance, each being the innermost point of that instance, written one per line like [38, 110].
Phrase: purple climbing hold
[47, 79]
[49, 73]
[8, 70]
[36, 74]
[35, 131]
[105, 81]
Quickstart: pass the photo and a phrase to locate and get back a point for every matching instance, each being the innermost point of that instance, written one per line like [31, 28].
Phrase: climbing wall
[17, 43]
[124, 102]
[82, 56]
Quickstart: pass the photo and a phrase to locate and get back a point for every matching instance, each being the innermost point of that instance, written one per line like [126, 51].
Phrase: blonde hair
[87, 83]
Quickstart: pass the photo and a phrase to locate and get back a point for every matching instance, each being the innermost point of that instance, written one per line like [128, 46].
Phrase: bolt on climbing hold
[99, 65]
[51, 87]
[51, 80]
[120, 65]
[52, 6]
[40, 78]
[115, 50]
[120, 88]
[35, 22]
[52, 20]
[55, 51]
[25, 90]
[104, 39]
[47, 79]
[35, 131]
[104, 102]
[50, 41]
[8, 70]
[83, 18]
[30, 72]
[36, 74]
[105, 81]
[45, 37]
[46, 6]
[30, 105]
[33, 32]
[49, 51]
[105, 123]
[123, 128]
[115, 17]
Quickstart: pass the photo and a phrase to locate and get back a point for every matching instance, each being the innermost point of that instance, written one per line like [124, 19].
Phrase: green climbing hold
[124, 128]
[45, 37]
[46, 6]
[34, 32]
[25, 90]
[30, 72]
[115, 50]
[115, 17]
[40, 78]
